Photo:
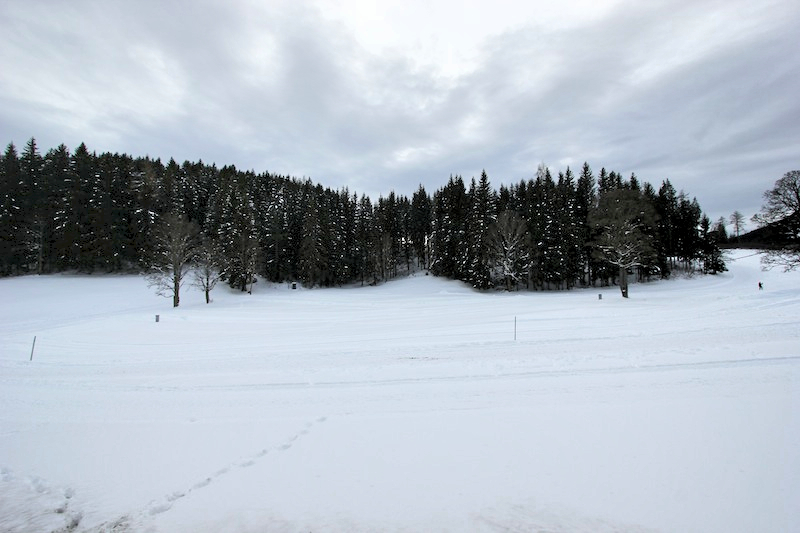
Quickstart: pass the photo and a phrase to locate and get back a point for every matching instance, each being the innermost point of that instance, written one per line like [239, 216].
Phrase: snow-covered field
[403, 407]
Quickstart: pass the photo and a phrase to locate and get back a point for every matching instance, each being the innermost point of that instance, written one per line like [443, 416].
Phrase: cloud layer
[703, 93]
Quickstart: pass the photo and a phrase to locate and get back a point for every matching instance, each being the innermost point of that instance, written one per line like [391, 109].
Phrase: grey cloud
[278, 87]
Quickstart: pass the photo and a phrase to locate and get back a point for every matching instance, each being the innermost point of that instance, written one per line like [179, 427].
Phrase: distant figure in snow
[760, 286]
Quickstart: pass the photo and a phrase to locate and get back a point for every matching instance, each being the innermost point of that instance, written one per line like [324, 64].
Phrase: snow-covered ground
[403, 407]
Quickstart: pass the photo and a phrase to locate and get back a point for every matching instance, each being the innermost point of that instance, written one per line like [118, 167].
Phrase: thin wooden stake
[32, 347]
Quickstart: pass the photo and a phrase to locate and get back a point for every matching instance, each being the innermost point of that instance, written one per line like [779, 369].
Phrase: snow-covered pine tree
[666, 204]
[33, 223]
[232, 223]
[55, 178]
[79, 229]
[585, 198]
[312, 253]
[571, 228]
[366, 269]
[448, 253]
[711, 255]
[144, 189]
[480, 216]
[10, 195]
[420, 225]
[687, 231]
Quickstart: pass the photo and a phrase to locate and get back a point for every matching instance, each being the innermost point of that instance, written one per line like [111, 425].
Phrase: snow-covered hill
[404, 407]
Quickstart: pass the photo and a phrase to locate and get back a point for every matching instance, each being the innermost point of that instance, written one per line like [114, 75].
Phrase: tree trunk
[176, 287]
[623, 281]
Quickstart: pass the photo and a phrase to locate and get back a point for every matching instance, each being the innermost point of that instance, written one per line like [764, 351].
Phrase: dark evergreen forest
[87, 212]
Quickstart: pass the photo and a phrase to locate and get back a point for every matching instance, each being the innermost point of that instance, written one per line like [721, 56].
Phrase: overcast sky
[380, 95]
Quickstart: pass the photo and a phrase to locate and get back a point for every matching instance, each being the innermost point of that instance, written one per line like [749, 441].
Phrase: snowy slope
[403, 407]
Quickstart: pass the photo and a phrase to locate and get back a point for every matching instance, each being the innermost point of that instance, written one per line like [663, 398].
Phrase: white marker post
[32, 347]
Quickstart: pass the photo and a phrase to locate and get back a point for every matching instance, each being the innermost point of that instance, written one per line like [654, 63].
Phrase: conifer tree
[585, 197]
[34, 219]
[571, 227]
[144, 187]
[365, 242]
[687, 230]
[55, 215]
[722, 232]
[311, 266]
[666, 204]
[420, 225]
[480, 216]
[710, 254]
[10, 224]
[232, 222]
[448, 253]
[79, 235]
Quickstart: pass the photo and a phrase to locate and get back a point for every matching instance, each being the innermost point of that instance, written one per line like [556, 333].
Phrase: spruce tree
[585, 198]
[34, 217]
[420, 225]
[10, 224]
[710, 254]
[56, 177]
[480, 216]
[366, 270]
[448, 253]
[311, 266]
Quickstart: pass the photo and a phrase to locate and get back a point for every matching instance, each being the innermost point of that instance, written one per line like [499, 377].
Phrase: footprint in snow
[175, 496]
[159, 508]
[202, 484]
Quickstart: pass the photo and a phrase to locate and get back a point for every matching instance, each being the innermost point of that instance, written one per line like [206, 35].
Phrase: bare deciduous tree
[737, 221]
[206, 274]
[782, 209]
[175, 243]
[621, 218]
[508, 247]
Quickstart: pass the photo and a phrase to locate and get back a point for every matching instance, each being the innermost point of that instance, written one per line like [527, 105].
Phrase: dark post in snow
[32, 347]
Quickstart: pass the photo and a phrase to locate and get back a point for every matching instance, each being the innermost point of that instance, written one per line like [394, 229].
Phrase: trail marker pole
[32, 347]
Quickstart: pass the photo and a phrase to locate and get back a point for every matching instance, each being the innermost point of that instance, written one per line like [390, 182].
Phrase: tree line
[88, 212]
